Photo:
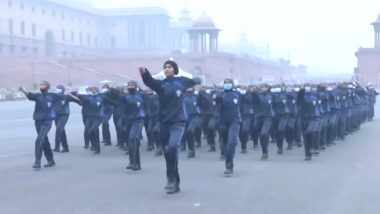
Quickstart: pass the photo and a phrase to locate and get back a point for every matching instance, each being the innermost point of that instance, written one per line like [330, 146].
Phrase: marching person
[108, 110]
[43, 116]
[228, 103]
[172, 116]
[134, 114]
[62, 111]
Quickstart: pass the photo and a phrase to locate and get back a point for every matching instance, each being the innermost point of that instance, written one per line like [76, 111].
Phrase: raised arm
[29, 95]
[149, 80]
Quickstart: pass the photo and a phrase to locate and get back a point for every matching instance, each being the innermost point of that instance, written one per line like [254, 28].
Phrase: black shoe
[264, 157]
[299, 145]
[158, 152]
[37, 165]
[136, 168]
[56, 150]
[65, 151]
[197, 145]
[173, 191]
[289, 147]
[127, 152]
[85, 146]
[255, 147]
[107, 144]
[191, 154]
[280, 151]
[92, 148]
[315, 152]
[96, 152]
[212, 149]
[308, 158]
[182, 149]
[323, 148]
[130, 166]
[229, 171]
[244, 151]
[172, 188]
[150, 148]
[222, 158]
[50, 164]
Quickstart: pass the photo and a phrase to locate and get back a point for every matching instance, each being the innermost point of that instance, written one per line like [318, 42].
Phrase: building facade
[368, 65]
[49, 28]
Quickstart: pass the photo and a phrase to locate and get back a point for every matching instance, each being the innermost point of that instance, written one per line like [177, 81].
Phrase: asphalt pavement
[344, 179]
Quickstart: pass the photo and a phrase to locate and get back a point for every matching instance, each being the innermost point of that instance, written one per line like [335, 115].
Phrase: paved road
[345, 179]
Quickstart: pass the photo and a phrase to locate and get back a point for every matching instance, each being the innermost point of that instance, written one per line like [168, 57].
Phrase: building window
[72, 18]
[21, 6]
[10, 3]
[33, 9]
[63, 16]
[22, 28]
[33, 29]
[72, 36]
[10, 26]
[43, 11]
[63, 35]
[113, 42]
[80, 39]
[53, 13]
[96, 41]
[12, 49]
[88, 40]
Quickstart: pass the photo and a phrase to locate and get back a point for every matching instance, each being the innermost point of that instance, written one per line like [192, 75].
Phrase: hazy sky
[322, 34]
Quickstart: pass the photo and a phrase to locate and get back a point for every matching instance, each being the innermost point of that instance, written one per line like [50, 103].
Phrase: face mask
[196, 92]
[243, 91]
[43, 90]
[314, 89]
[208, 91]
[296, 89]
[104, 90]
[307, 89]
[264, 90]
[58, 91]
[289, 89]
[275, 90]
[227, 86]
[329, 88]
[131, 90]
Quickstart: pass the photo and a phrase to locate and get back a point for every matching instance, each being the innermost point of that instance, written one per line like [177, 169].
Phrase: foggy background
[323, 35]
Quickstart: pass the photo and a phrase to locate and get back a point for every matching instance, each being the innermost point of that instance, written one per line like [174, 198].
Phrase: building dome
[204, 21]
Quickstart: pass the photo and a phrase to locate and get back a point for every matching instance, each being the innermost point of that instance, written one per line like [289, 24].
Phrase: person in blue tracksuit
[94, 104]
[324, 98]
[208, 112]
[310, 116]
[291, 103]
[332, 125]
[172, 116]
[247, 118]
[153, 128]
[43, 116]
[228, 103]
[134, 121]
[62, 111]
[280, 119]
[193, 124]
[262, 104]
[108, 110]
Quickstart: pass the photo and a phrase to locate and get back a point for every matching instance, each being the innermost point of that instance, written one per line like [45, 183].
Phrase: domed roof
[204, 21]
